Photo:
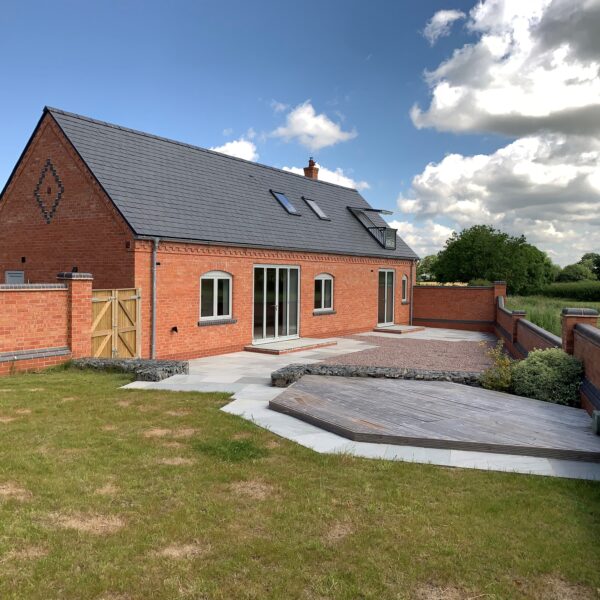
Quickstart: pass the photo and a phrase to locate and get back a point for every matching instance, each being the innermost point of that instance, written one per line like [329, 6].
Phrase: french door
[385, 302]
[276, 303]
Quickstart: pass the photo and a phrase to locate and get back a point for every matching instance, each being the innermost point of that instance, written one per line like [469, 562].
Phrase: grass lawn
[544, 311]
[116, 494]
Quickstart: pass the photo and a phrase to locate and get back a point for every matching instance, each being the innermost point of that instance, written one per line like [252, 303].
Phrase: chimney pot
[312, 171]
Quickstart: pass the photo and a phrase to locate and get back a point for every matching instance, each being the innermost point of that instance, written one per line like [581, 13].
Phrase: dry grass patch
[108, 489]
[7, 419]
[272, 444]
[177, 461]
[109, 427]
[254, 488]
[67, 399]
[88, 522]
[12, 491]
[337, 532]
[27, 553]
[177, 413]
[184, 432]
[156, 432]
[23, 411]
[550, 587]
[173, 444]
[436, 592]
[36, 389]
[124, 403]
[181, 551]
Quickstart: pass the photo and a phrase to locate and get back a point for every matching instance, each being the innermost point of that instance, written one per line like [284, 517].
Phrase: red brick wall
[32, 319]
[587, 349]
[85, 231]
[530, 337]
[178, 295]
[455, 307]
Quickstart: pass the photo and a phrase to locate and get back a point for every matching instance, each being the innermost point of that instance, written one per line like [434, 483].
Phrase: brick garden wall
[587, 349]
[178, 295]
[457, 307]
[44, 325]
[84, 231]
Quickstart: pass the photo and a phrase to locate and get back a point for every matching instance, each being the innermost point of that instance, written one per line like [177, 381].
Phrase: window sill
[208, 322]
[319, 313]
[405, 301]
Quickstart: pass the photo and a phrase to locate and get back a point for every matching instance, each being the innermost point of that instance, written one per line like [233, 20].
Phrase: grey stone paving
[439, 414]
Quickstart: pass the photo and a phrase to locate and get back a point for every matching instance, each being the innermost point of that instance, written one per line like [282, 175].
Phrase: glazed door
[385, 304]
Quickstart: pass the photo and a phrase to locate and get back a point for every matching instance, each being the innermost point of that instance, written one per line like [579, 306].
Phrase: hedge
[575, 290]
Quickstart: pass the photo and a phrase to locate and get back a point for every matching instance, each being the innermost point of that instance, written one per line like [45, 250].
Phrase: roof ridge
[51, 110]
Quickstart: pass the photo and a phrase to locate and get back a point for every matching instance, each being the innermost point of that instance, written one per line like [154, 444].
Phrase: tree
[591, 260]
[576, 272]
[482, 252]
[425, 268]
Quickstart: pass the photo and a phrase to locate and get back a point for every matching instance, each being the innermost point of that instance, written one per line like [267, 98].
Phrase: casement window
[323, 292]
[215, 296]
[404, 288]
[14, 277]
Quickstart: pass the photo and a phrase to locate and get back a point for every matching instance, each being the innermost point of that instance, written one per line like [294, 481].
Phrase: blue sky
[209, 73]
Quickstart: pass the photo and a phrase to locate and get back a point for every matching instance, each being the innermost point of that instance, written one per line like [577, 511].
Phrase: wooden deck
[435, 414]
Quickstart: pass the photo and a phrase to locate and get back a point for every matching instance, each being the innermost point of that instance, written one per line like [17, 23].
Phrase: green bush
[577, 290]
[551, 375]
[499, 376]
[479, 282]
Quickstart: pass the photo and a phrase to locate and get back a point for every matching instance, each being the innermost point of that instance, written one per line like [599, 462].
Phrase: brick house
[226, 252]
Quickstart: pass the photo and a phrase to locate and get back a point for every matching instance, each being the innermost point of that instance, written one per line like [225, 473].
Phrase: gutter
[153, 307]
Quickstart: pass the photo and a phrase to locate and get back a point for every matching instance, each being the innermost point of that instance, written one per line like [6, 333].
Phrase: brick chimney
[312, 171]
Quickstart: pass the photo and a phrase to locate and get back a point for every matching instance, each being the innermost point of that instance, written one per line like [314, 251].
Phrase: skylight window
[285, 203]
[316, 209]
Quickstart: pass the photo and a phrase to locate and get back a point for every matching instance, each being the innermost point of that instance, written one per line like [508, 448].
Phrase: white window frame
[325, 277]
[215, 276]
[404, 288]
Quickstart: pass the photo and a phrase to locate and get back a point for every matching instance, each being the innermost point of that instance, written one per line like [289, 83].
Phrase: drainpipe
[153, 315]
[412, 290]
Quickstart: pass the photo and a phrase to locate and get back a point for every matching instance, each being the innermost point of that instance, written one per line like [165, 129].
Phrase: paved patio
[247, 376]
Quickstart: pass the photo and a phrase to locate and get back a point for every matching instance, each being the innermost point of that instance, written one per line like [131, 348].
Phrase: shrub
[499, 376]
[577, 272]
[576, 290]
[479, 282]
[551, 375]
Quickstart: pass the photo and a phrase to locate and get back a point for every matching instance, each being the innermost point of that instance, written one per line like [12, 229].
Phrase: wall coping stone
[589, 332]
[579, 312]
[550, 337]
[291, 373]
[144, 370]
[31, 287]
[70, 275]
[455, 287]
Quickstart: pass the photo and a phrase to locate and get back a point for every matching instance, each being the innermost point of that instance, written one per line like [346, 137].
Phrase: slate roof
[173, 190]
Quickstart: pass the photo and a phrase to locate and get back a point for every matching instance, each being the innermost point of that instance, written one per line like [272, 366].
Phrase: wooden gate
[116, 323]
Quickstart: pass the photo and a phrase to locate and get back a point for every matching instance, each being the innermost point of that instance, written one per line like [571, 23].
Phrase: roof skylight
[285, 203]
[316, 209]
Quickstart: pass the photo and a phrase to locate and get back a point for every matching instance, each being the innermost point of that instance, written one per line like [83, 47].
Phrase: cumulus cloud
[279, 106]
[424, 238]
[312, 130]
[241, 148]
[533, 74]
[336, 176]
[440, 24]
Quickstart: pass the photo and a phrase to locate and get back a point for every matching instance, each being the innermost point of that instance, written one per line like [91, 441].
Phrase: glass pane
[285, 203]
[404, 285]
[381, 298]
[282, 312]
[293, 302]
[270, 300]
[327, 303]
[318, 294]
[389, 309]
[207, 297]
[318, 211]
[259, 282]
[222, 297]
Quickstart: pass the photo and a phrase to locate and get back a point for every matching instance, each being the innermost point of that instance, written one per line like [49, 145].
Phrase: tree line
[481, 254]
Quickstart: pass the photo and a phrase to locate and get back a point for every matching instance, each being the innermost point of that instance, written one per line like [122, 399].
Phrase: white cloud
[336, 176]
[533, 73]
[440, 24]
[279, 106]
[424, 238]
[227, 131]
[524, 74]
[312, 130]
[241, 148]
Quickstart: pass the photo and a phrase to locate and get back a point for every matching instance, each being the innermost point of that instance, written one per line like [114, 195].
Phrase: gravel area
[418, 354]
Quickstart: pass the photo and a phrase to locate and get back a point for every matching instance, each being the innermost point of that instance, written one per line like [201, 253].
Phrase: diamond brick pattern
[48, 178]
